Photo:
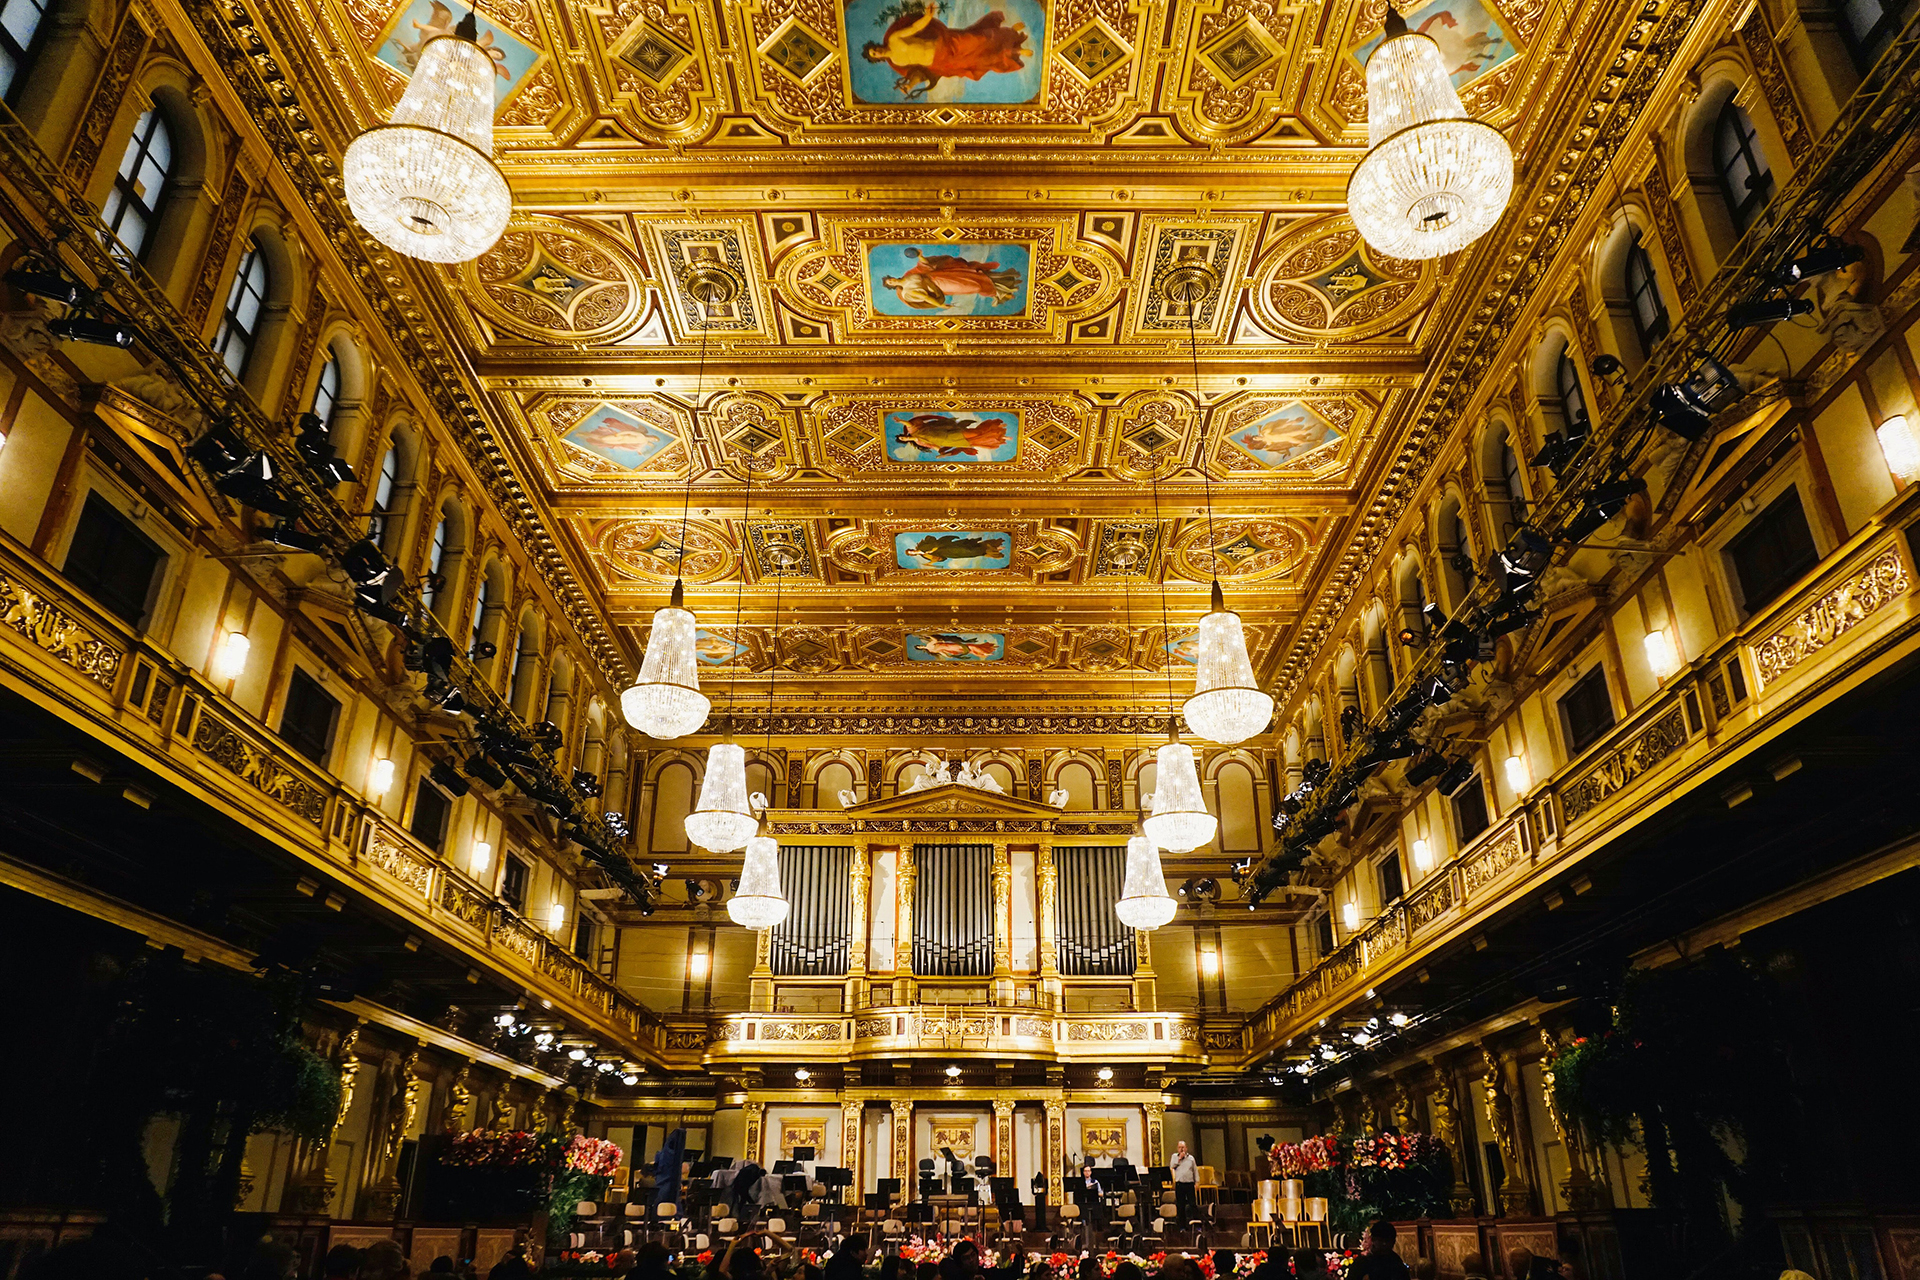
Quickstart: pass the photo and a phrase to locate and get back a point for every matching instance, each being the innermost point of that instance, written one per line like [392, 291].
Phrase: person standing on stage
[1184, 1169]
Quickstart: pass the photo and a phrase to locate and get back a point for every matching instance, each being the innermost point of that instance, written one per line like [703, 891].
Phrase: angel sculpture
[848, 799]
[1058, 797]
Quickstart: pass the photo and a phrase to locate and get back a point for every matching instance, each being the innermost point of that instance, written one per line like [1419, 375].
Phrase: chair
[1240, 1179]
[635, 1209]
[1206, 1184]
[1291, 1214]
[1260, 1226]
[1317, 1219]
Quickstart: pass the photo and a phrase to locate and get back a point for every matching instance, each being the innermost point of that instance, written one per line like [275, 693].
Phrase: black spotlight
[1456, 774]
[1518, 620]
[1560, 449]
[365, 564]
[252, 484]
[1605, 365]
[1603, 503]
[1824, 255]
[1675, 410]
[377, 600]
[1425, 769]
[1438, 692]
[45, 284]
[548, 735]
[217, 450]
[586, 783]
[617, 823]
[482, 650]
[486, 770]
[1350, 722]
[1758, 311]
[449, 779]
[102, 333]
[288, 536]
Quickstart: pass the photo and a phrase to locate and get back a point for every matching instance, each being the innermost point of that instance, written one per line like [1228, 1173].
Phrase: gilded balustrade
[1021, 1032]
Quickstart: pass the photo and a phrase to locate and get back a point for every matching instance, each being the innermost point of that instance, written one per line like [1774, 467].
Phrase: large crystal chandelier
[425, 184]
[723, 820]
[1434, 179]
[665, 701]
[1179, 822]
[1144, 902]
[1226, 706]
[758, 902]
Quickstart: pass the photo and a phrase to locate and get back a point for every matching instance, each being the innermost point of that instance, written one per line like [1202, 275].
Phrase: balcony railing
[168, 715]
[885, 1032]
[1861, 601]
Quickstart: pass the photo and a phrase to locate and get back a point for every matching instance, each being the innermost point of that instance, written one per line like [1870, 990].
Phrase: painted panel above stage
[1019, 1032]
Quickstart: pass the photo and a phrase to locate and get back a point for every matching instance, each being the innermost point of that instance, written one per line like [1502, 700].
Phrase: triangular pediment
[948, 798]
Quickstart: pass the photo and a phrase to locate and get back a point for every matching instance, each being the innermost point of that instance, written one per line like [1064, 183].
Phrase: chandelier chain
[693, 447]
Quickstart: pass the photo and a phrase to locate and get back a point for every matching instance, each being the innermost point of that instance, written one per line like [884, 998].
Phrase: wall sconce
[556, 917]
[232, 658]
[379, 777]
[1662, 657]
[479, 858]
[1350, 916]
[1519, 777]
[1422, 856]
[697, 965]
[1209, 962]
[1899, 447]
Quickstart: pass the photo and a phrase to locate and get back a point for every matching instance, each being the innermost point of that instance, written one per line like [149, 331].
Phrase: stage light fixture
[1456, 775]
[586, 784]
[1560, 449]
[449, 779]
[1518, 620]
[1759, 311]
[1825, 254]
[300, 540]
[253, 484]
[484, 770]
[504, 1020]
[45, 284]
[217, 450]
[577, 1054]
[101, 333]
[547, 734]
[1603, 503]
[1426, 768]
[953, 1073]
[1605, 365]
[482, 650]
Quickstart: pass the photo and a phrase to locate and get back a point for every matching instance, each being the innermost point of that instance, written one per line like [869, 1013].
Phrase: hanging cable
[693, 447]
[740, 591]
[1166, 627]
[1200, 422]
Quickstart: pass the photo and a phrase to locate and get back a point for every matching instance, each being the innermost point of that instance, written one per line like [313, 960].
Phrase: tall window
[1391, 884]
[307, 723]
[1510, 476]
[1643, 297]
[1573, 401]
[436, 558]
[1470, 810]
[240, 320]
[112, 561]
[383, 502]
[1771, 553]
[513, 884]
[133, 205]
[480, 610]
[1868, 25]
[19, 21]
[431, 809]
[1586, 712]
[1745, 180]
[326, 392]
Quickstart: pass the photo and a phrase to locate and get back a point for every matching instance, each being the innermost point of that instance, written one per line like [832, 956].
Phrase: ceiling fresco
[947, 403]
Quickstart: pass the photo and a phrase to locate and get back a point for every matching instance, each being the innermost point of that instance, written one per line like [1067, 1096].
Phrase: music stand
[803, 1155]
[785, 1166]
[832, 1180]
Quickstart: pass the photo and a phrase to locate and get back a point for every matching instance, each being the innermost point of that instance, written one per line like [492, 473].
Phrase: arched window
[133, 204]
[1077, 779]
[383, 490]
[240, 319]
[19, 23]
[482, 613]
[833, 778]
[437, 558]
[1643, 297]
[1745, 180]
[1573, 401]
[1510, 474]
[1867, 24]
[326, 392]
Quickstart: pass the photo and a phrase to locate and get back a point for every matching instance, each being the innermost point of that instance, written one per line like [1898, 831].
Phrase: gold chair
[1317, 1220]
[1291, 1214]
[1206, 1184]
[1260, 1226]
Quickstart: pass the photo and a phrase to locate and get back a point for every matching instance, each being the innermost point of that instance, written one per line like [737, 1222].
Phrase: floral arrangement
[595, 1157]
[515, 1149]
[1298, 1159]
[1393, 1151]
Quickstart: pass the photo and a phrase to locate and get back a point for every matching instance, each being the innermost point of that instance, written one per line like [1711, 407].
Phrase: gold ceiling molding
[928, 435]
[1240, 551]
[553, 280]
[652, 551]
[1300, 438]
[1324, 284]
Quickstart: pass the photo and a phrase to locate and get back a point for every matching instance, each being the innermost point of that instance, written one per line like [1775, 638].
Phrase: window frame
[1734, 125]
[425, 787]
[1751, 530]
[516, 881]
[151, 123]
[1390, 863]
[1866, 47]
[330, 365]
[1477, 785]
[253, 261]
[300, 680]
[21, 55]
[91, 580]
[384, 488]
[1571, 396]
[1640, 262]
[1578, 688]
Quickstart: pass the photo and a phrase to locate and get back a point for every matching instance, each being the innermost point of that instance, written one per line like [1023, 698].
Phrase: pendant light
[425, 183]
[1144, 902]
[1434, 179]
[723, 819]
[665, 701]
[1227, 706]
[758, 903]
[1179, 822]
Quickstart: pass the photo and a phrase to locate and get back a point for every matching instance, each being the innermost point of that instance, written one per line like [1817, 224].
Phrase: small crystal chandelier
[758, 903]
[425, 184]
[723, 820]
[1179, 822]
[665, 701]
[1434, 179]
[1226, 706]
[1144, 902]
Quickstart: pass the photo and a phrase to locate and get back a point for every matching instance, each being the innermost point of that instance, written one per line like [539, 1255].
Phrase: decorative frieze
[1835, 613]
[1619, 767]
[220, 743]
[53, 630]
[400, 862]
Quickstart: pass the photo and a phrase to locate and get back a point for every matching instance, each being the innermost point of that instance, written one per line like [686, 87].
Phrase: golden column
[903, 1145]
[903, 876]
[850, 1135]
[1146, 996]
[1003, 1136]
[760, 987]
[1049, 905]
[1156, 1133]
[857, 929]
[1002, 924]
[1056, 1150]
[756, 1120]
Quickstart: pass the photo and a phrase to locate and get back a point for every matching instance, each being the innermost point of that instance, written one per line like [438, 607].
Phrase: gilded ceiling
[950, 408]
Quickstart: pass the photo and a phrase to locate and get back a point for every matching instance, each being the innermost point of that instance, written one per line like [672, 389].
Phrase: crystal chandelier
[758, 903]
[425, 184]
[1144, 902]
[1179, 822]
[1434, 179]
[1226, 706]
[665, 701]
[723, 820]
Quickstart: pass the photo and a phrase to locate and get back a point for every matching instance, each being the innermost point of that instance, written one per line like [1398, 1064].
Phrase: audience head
[341, 1262]
[1309, 1262]
[382, 1260]
[1424, 1269]
[1519, 1262]
[1180, 1269]
[1379, 1237]
[926, 1271]
[441, 1266]
[1129, 1271]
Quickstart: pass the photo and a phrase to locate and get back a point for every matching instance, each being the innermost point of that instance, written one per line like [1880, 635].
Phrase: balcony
[963, 1029]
